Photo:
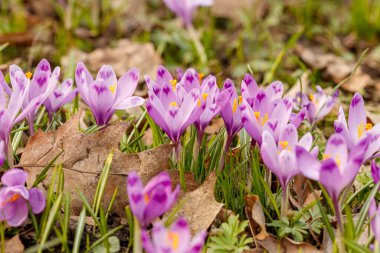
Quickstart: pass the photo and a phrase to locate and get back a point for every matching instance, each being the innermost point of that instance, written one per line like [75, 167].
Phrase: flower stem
[198, 45]
[227, 144]
[137, 247]
[177, 154]
[339, 220]
[9, 154]
[31, 125]
[284, 204]
[2, 240]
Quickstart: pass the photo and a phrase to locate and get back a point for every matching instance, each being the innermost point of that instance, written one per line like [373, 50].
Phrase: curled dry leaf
[266, 241]
[14, 245]
[199, 207]
[83, 157]
[234, 9]
[255, 215]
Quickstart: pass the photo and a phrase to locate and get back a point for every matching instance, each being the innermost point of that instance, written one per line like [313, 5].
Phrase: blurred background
[295, 41]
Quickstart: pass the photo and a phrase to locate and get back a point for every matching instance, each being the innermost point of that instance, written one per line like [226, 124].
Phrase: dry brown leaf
[334, 68]
[312, 197]
[14, 245]
[301, 189]
[125, 55]
[233, 9]
[215, 125]
[291, 246]
[199, 207]
[83, 158]
[255, 215]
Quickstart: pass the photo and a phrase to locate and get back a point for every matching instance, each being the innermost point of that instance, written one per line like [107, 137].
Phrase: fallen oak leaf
[255, 215]
[291, 246]
[199, 207]
[82, 159]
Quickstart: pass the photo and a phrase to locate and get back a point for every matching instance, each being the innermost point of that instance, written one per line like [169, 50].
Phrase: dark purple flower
[149, 202]
[176, 239]
[14, 198]
[106, 94]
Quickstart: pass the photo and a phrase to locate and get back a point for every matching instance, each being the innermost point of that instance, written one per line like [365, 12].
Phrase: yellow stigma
[173, 104]
[326, 156]
[361, 129]
[173, 237]
[368, 126]
[284, 144]
[311, 97]
[234, 106]
[199, 103]
[174, 83]
[146, 198]
[240, 100]
[205, 95]
[257, 115]
[28, 75]
[113, 88]
[200, 76]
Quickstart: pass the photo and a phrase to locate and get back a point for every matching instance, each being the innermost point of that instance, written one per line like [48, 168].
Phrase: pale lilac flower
[2, 154]
[185, 9]
[338, 168]
[63, 94]
[375, 170]
[40, 85]
[280, 157]
[149, 202]
[317, 104]
[106, 94]
[176, 239]
[358, 127]
[173, 106]
[15, 197]
[12, 102]
[374, 217]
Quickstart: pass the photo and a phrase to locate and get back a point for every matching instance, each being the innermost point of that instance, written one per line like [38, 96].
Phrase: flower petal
[14, 177]
[36, 200]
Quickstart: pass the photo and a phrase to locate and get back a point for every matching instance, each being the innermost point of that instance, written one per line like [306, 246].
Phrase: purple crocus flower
[374, 217]
[12, 102]
[62, 95]
[2, 154]
[14, 198]
[280, 157]
[358, 127]
[149, 202]
[171, 106]
[338, 168]
[176, 239]
[41, 85]
[375, 170]
[317, 104]
[265, 115]
[185, 9]
[106, 94]
[231, 112]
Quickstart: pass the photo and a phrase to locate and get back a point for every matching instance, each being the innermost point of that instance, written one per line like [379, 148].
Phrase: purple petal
[14, 177]
[36, 200]
[19, 213]
[357, 117]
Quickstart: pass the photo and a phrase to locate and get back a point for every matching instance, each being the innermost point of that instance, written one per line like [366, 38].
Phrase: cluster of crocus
[15, 198]
[185, 9]
[148, 204]
[106, 94]
[316, 104]
[172, 105]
